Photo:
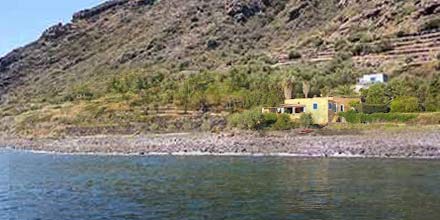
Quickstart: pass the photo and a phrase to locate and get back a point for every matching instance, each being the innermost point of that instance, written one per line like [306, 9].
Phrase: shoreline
[423, 144]
[201, 154]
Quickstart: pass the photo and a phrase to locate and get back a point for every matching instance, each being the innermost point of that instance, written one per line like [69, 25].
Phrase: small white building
[370, 79]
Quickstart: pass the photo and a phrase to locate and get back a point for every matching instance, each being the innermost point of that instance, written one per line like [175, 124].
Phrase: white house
[370, 79]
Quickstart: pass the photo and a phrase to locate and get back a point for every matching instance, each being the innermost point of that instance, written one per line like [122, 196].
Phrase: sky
[23, 21]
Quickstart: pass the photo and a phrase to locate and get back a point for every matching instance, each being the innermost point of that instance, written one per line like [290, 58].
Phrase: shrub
[383, 46]
[154, 127]
[361, 49]
[82, 92]
[314, 41]
[306, 120]
[251, 119]
[376, 95]
[341, 45]
[388, 117]
[212, 44]
[356, 105]
[405, 104]
[206, 125]
[355, 118]
[364, 37]
[374, 108]
[401, 33]
[270, 119]
[255, 120]
[430, 25]
[283, 122]
[351, 117]
[432, 103]
[293, 55]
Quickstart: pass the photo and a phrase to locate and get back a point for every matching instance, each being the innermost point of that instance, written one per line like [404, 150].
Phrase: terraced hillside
[118, 62]
[412, 49]
[193, 35]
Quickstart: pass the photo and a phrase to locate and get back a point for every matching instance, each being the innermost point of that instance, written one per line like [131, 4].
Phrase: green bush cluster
[294, 54]
[405, 104]
[407, 93]
[283, 122]
[367, 48]
[306, 120]
[362, 36]
[373, 108]
[240, 88]
[250, 120]
[356, 118]
[255, 120]
[432, 24]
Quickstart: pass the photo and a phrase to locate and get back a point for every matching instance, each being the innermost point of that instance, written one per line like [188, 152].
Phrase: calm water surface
[55, 187]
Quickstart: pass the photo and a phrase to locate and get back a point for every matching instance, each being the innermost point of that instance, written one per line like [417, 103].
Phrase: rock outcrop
[241, 10]
[296, 12]
[88, 13]
[55, 31]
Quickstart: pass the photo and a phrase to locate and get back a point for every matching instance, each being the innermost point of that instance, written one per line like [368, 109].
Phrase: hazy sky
[23, 21]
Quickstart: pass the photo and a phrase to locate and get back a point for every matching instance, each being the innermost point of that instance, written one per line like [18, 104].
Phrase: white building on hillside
[370, 79]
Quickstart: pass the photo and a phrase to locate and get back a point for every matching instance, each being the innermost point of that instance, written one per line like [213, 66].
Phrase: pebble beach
[377, 144]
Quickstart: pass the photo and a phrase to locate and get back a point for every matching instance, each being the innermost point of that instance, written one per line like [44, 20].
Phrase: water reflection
[87, 187]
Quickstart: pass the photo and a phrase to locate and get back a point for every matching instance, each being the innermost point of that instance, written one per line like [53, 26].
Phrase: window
[373, 79]
[342, 108]
[330, 106]
[315, 106]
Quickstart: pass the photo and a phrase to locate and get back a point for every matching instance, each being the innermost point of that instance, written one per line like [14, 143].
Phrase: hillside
[164, 42]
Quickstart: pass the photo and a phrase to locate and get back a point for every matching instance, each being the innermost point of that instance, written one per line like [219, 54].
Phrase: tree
[306, 120]
[306, 88]
[345, 91]
[405, 104]
[432, 102]
[376, 95]
[399, 87]
[184, 95]
[288, 85]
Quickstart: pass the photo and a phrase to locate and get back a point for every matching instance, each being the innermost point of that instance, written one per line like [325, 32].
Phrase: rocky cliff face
[175, 36]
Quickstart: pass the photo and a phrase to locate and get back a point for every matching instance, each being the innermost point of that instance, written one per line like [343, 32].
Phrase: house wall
[321, 115]
[338, 101]
[344, 101]
[379, 78]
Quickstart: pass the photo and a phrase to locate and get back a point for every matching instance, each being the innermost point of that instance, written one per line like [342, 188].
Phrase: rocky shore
[402, 144]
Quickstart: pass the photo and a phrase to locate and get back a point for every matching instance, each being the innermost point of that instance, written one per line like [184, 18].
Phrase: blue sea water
[63, 187]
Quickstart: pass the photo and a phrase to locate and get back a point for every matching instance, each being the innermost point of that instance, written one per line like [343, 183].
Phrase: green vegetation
[158, 75]
[294, 54]
[355, 117]
[240, 88]
[250, 119]
[404, 94]
[283, 122]
[255, 120]
[360, 48]
[405, 104]
[306, 120]
[376, 95]
[431, 24]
